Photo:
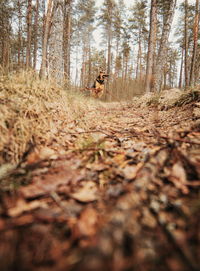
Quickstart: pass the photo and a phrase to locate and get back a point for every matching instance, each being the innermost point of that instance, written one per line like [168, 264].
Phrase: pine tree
[161, 58]
[106, 19]
[195, 40]
[47, 22]
[5, 34]
[85, 11]
[29, 34]
[186, 45]
[35, 33]
[151, 46]
[138, 26]
[67, 37]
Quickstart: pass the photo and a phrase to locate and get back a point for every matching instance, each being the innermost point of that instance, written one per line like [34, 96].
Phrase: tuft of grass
[34, 111]
[187, 98]
[154, 100]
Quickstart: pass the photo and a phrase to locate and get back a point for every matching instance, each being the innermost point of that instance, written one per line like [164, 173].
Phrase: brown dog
[97, 89]
[99, 84]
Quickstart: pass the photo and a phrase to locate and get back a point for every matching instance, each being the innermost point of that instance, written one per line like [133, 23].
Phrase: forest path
[124, 197]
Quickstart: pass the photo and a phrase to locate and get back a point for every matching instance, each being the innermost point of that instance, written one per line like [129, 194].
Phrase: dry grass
[190, 96]
[34, 111]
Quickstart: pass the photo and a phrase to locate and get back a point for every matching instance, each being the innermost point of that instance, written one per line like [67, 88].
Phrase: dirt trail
[125, 196]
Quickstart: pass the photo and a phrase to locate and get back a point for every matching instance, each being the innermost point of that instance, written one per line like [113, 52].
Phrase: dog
[97, 89]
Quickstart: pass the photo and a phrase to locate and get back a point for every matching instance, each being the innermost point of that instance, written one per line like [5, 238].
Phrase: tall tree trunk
[161, 58]
[35, 35]
[126, 67]
[109, 50]
[19, 33]
[29, 34]
[151, 45]
[6, 52]
[194, 53]
[47, 22]
[181, 70]
[186, 45]
[139, 56]
[67, 38]
[89, 62]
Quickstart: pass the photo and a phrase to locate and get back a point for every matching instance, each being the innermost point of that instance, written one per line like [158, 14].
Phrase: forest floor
[124, 196]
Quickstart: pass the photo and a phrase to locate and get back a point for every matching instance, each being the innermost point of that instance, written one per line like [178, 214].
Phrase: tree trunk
[6, 53]
[67, 38]
[89, 62]
[47, 22]
[194, 53]
[109, 50]
[29, 34]
[181, 70]
[161, 58]
[151, 45]
[186, 45]
[35, 35]
[19, 34]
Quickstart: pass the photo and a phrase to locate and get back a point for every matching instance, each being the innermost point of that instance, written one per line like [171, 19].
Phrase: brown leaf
[22, 206]
[50, 182]
[87, 193]
[87, 224]
[179, 178]
[130, 172]
[41, 154]
[97, 166]
[179, 172]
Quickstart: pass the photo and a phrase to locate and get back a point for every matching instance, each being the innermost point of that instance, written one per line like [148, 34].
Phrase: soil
[124, 196]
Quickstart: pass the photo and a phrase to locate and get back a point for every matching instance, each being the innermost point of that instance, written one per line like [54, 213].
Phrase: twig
[179, 139]
[58, 201]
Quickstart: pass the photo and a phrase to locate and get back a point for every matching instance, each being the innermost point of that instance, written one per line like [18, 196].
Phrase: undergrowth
[34, 111]
[188, 97]
[173, 97]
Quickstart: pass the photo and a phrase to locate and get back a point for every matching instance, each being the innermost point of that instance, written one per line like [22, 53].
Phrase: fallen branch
[179, 139]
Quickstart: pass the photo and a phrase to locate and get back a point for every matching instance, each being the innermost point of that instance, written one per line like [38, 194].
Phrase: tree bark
[29, 34]
[47, 22]
[186, 45]
[67, 38]
[194, 53]
[35, 35]
[109, 50]
[19, 33]
[181, 70]
[161, 58]
[151, 45]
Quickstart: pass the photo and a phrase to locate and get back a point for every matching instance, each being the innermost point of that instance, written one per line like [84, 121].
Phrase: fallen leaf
[130, 172]
[87, 223]
[179, 172]
[41, 154]
[22, 206]
[97, 166]
[87, 193]
[50, 182]
[179, 178]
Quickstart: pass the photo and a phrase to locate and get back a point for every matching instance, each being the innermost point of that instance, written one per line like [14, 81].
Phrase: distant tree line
[56, 38]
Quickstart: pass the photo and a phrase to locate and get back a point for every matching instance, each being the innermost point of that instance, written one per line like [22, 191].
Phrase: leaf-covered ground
[124, 195]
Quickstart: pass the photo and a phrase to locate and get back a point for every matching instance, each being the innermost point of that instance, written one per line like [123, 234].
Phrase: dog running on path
[97, 89]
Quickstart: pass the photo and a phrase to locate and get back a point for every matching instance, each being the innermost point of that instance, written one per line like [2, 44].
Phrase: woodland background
[56, 38]
[99, 184]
